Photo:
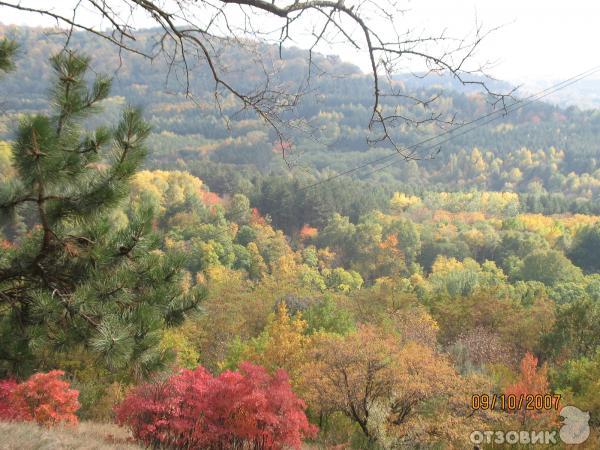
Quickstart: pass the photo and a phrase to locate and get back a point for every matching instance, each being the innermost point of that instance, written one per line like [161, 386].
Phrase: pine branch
[8, 50]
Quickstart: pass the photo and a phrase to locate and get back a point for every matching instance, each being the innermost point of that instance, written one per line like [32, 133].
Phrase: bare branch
[202, 29]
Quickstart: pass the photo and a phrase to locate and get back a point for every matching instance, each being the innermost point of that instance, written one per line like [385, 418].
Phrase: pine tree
[8, 49]
[75, 279]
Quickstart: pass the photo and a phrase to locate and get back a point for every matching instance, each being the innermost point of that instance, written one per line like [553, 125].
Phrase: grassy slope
[88, 436]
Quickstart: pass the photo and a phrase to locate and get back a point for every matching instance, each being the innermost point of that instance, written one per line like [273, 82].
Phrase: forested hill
[548, 154]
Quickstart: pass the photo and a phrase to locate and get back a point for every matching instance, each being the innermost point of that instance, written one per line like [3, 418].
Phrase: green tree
[342, 280]
[549, 267]
[579, 382]
[338, 234]
[75, 278]
[239, 210]
[409, 239]
[576, 332]
[518, 244]
[326, 315]
[586, 249]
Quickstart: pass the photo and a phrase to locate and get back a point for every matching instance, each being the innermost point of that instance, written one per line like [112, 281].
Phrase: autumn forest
[195, 276]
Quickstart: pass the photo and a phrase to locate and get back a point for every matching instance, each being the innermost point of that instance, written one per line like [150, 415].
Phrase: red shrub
[45, 398]
[193, 409]
[7, 409]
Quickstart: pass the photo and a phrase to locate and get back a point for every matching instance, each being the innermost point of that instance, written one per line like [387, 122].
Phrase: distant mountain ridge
[541, 148]
[446, 81]
[584, 93]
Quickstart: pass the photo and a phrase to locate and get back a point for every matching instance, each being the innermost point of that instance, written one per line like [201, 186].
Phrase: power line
[508, 110]
[497, 113]
[491, 116]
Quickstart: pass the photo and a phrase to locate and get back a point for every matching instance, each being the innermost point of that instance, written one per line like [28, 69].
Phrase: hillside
[541, 150]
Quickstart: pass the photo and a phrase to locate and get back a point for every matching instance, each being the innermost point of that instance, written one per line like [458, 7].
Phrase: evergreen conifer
[76, 279]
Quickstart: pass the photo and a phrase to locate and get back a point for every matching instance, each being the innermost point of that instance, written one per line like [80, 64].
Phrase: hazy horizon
[537, 40]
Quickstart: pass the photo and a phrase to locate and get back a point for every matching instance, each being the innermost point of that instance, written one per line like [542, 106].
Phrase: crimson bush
[247, 409]
[44, 398]
[7, 409]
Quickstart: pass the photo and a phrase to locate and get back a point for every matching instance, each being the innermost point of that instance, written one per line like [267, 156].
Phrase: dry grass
[87, 435]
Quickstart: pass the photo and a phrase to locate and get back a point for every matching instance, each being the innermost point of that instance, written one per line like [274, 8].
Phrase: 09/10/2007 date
[529, 402]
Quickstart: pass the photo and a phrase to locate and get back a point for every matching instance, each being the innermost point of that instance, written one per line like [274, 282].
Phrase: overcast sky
[540, 39]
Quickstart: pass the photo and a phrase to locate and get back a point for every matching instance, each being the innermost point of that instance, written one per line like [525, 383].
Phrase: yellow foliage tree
[166, 188]
[401, 201]
[175, 341]
[385, 387]
[282, 344]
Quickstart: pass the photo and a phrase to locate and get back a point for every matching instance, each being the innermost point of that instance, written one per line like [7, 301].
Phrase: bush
[7, 411]
[44, 398]
[247, 409]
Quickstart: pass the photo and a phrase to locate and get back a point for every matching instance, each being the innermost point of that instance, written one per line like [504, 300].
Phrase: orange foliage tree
[377, 382]
[308, 232]
[533, 381]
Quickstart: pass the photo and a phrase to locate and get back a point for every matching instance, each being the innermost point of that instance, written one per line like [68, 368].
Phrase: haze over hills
[584, 94]
[537, 150]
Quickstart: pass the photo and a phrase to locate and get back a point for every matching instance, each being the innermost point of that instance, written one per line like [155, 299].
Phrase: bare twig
[198, 28]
